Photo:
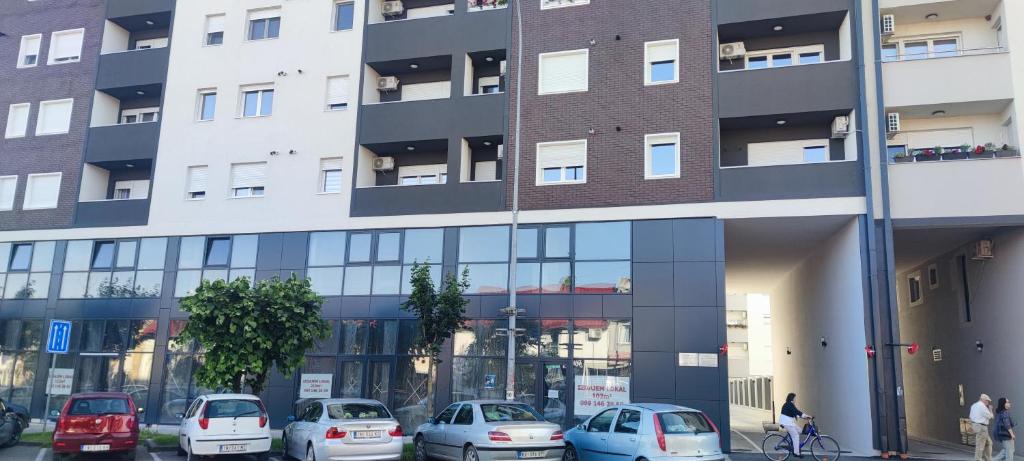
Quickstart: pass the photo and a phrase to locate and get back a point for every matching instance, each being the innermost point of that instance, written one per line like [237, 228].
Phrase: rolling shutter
[215, 23]
[7, 187]
[562, 154]
[54, 117]
[662, 52]
[265, 14]
[564, 72]
[197, 179]
[337, 90]
[66, 45]
[42, 191]
[248, 175]
[17, 120]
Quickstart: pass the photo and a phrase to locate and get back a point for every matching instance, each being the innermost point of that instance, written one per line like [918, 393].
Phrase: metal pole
[49, 390]
[510, 372]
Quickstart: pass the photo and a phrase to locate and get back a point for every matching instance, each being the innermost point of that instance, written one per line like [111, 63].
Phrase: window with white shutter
[563, 162]
[264, 24]
[196, 182]
[661, 62]
[28, 55]
[337, 92]
[17, 120]
[415, 175]
[8, 184]
[54, 117]
[42, 191]
[248, 179]
[66, 46]
[330, 175]
[661, 156]
[214, 30]
[564, 72]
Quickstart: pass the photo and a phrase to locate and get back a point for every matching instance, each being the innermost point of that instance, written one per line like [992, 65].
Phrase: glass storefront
[20, 341]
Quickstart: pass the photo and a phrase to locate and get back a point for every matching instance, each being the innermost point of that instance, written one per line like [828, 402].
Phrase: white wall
[824, 296]
[759, 334]
[115, 38]
[105, 110]
[951, 131]
[94, 183]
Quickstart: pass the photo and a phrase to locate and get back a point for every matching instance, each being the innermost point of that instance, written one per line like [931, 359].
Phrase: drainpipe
[513, 310]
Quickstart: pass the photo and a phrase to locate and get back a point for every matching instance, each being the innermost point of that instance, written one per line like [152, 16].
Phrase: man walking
[981, 414]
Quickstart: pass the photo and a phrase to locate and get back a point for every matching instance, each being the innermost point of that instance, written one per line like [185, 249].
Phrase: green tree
[441, 313]
[247, 329]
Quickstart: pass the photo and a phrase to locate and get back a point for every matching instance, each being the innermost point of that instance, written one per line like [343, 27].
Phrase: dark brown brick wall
[617, 97]
[46, 154]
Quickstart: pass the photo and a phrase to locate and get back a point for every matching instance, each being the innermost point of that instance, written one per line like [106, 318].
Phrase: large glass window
[28, 266]
[109, 269]
[19, 350]
[219, 258]
[596, 241]
[423, 245]
[388, 246]
[327, 249]
[483, 244]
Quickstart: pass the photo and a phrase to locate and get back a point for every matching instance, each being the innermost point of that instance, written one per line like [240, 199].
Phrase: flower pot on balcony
[926, 157]
[904, 159]
[954, 155]
[983, 154]
[1007, 153]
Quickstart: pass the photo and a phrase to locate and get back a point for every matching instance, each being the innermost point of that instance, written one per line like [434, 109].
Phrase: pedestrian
[1004, 433]
[981, 415]
[788, 420]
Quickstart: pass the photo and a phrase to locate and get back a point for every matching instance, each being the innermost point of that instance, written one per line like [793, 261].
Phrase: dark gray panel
[821, 87]
[552, 306]
[696, 284]
[268, 257]
[473, 308]
[122, 8]
[654, 329]
[696, 329]
[437, 36]
[432, 119]
[384, 306]
[719, 240]
[695, 239]
[112, 213]
[453, 197]
[121, 143]
[587, 306]
[491, 306]
[817, 180]
[355, 307]
[652, 284]
[618, 306]
[138, 68]
[697, 383]
[294, 246]
[332, 307]
[652, 241]
[530, 304]
[649, 378]
[266, 275]
[729, 11]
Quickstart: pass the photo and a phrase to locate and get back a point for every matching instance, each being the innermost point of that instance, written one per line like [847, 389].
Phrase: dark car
[10, 426]
[20, 411]
[104, 423]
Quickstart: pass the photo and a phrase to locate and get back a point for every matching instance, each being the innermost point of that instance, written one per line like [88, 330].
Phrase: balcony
[989, 187]
[948, 80]
[133, 69]
[436, 35]
[810, 88]
[735, 11]
[126, 8]
[946, 9]
[455, 197]
[121, 143]
[112, 213]
[480, 115]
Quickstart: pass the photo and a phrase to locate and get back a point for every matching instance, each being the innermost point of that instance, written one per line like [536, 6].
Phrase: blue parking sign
[59, 338]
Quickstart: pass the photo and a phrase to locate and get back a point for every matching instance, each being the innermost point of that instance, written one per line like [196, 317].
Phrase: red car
[97, 422]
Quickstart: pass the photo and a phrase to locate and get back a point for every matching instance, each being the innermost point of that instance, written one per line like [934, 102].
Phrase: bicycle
[777, 446]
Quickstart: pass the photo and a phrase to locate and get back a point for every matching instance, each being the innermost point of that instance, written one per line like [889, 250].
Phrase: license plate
[234, 448]
[92, 448]
[530, 454]
[367, 434]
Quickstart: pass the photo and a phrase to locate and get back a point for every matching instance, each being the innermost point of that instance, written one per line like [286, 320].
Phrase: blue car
[648, 432]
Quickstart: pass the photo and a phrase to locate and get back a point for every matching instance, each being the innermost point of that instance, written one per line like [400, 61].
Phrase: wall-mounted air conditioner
[387, 83]
[392, 8]
[383, 164]
[733, 50]
[841, 127]
[983, 250]
[888, 25]
[892, 124]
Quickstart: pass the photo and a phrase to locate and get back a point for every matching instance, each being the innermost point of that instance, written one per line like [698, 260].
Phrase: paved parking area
[27, 453]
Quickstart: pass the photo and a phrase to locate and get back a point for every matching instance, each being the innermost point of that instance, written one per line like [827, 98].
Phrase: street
[33, 453]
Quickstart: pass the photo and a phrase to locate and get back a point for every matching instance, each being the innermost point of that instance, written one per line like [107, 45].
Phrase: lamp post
[513, 310]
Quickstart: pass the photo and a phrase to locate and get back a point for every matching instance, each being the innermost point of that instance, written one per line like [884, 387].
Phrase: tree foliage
[246, 329]
[441, 313]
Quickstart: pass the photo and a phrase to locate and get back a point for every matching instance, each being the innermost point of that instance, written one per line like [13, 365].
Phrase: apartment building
[646, 156]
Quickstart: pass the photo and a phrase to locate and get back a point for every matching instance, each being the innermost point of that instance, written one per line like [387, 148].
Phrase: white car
[344, 429]
[222, 424]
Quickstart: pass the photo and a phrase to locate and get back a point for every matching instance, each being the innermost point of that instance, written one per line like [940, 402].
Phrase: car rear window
[496, 412]
[98, 406]
[357, 411]
[684, 422]
[232, 408]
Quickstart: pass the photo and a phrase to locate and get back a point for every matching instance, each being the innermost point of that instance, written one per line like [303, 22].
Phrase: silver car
[654, 432]
[344, 430]
[488, 430]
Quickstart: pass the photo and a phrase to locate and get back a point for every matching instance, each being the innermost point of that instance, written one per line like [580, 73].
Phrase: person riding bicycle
[788, 420]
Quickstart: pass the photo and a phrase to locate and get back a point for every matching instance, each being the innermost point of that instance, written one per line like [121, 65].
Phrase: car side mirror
[291, 418]
[582, 427]
[140, 410]
[179, 415]
[431, 420]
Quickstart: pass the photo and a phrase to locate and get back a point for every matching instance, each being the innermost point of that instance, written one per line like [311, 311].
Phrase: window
[196, 183]
[549, 4]
[248, 179]
[628, 422]
[21, 256]
[602, 422]
[344, 12]
[661, 60]
[422, 174]
[562, 162]
[42, 191]
[914, 289]
[330, 175]
[207, 105]
[151, 43]
[785, 57]
[257, 102]
[337, 92]
[102, 255]
[933, 276]
[54, 117]
[264, 24]
[214, 30]
[564, 72]
[662, 156]
[131, 190]
[143, 115]
[465, 416]
[896, 152]
[810, 58]
[815, 154]
[915, 50]
[922, 48]
[890, 53]
[66, 46]
[8, 184]
[17, 120]
[217, 250]
[788, 152]
[28, 54]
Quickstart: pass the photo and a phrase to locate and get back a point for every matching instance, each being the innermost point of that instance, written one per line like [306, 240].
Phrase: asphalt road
[27, 453]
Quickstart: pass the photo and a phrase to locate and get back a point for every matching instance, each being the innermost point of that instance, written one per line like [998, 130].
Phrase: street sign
[60, 337]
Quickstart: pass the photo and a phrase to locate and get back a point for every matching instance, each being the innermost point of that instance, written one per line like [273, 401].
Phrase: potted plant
[981, 152]
[928, 155]
[956, 153]
[1007, 151]
[902, 157]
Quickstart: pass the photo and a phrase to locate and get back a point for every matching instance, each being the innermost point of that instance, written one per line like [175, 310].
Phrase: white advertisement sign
[688, 359]
[708, 360]
[316, 386]
[60, 380]
[595, 393]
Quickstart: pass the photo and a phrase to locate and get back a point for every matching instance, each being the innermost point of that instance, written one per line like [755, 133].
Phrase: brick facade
[618, 107]
[47, 154]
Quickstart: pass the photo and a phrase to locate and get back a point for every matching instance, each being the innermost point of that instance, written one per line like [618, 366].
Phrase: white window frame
[28, 190]
[261, 88]
[795, 144]
[553, 4]
[22, 52]
[910, 298]
[189, 190]
[348, 92]
[334, 15]
[14, 192]
[661, 138]
[437, 171]
[200, 104]
[39, 116]
[261, 16]
[540, 70]
[138, 113]
[138, 189]
[151, 43]
[53, 42]
[648, 64]
[793, 52]
[930, 39]
[540, 168]
[322, 180]
[252, 190]
[207, 31]
[8, 132]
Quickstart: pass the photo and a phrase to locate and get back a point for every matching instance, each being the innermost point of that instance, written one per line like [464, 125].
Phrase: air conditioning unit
[892, 124]
[840, 127]
[392, 8]
[383, 164]
[594, 334]
[733, 50]
[888, 25]
[387, 83]
[983, 250]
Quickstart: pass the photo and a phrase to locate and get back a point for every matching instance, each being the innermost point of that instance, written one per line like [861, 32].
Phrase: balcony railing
[932, 54]
[951, 154]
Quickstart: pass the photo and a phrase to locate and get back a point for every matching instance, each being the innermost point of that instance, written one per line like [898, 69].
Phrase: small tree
[441, 314]
[246, 329]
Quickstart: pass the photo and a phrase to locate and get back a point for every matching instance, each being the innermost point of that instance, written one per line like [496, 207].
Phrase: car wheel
[570, 454]
[284, 447]
[188, 452]
[470, 454]
[310, 454]
[181, 451]
[420, 449]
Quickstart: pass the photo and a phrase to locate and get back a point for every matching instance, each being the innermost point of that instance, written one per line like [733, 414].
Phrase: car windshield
[684, 422]
[232, 408]
[81, 407]
[357, 411]
[494, 412]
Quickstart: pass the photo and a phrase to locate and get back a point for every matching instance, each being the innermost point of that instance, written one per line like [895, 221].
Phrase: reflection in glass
[478, 378]
[126, 253]
[359, 248]
[243, 250]
[487, 278]
[602, 241]
[77, 257]
[17, 287]
[556, 278]
[325, 281]
[42, 256]
[190, 255]
[143, 335]
[73, 285]
[528, 278]
[99, 284]
[387, 246]
[20, 256]
[526, 244]
[602, 372]
[351, 380]
[526, 382]
[97, 374]
[327, 249]
[422, 245]
[413, 391]
[603, 277]
[483, 244]
[380, 382]
[152, 253]
[186, 282]
[435, 276]
[602, 339]
[353, 337]
[383, 337]
[357, 280]
[556, 242]
[217, 250]
[136, 377]
[407, 332]
[387, 279]
[480, 338]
